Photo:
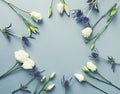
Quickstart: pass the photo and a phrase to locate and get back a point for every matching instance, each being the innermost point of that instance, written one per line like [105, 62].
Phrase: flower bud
[86, 32]
[60, 7]
[49, 88]
[35, 16]
[79, 77]
[52, 75]
[50, 12]
[91, 66]
[85, 69]
[92, 46]
[43, 79]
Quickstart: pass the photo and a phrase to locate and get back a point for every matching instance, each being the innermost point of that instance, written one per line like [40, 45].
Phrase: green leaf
[50, 12]
[67, 10]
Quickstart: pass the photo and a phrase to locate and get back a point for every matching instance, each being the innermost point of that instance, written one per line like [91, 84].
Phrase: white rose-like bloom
[28, 64]
[60, 7]
[86, 32]
[35, 16]
[21, 55]
[79, 77]
[91, 66]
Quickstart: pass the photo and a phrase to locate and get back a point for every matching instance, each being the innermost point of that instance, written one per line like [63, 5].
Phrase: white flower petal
[91, 66]
[86, 32]
[79, 77]
[21, 55]
[35, 16]
[60, 7]
[28, 64]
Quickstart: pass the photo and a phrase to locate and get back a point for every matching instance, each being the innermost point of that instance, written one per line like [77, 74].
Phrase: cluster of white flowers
[35, 16]
[22, 56]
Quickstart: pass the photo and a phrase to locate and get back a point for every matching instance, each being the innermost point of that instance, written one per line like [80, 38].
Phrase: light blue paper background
[59, 47]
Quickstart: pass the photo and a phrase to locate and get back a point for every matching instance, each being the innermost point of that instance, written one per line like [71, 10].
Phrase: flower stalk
[11, 70]
[23, 87]
[98, 35]
[96, 87]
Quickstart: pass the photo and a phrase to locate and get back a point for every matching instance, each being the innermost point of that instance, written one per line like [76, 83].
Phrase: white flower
[86, 32]
[21, 55]
[28, 64]
[79, 77]
[60, 7]
[50, 87]
[35, 16]
[91, 66]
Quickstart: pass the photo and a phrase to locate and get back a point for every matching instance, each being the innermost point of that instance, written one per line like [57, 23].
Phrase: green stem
[96, 87]
[15, 6]
[23, 86]
[103, 58]
[99, 34]
[15, 35]
[35, 90]
[65, 91]
[42, 89]
[51, 4]
[115, 86]
[89, 12]
[92, 76]
[10, 71]
[103, 77]
[109, 83]
[102, 16]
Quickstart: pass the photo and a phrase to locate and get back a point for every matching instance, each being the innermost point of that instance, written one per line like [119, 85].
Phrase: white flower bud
[21, 55]
[91, 66]
[79, 77]
[35, 16]
[60, 7]
[28, 64]
[50, 87]
[52, 75]
[86, 32]
[85, 69]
